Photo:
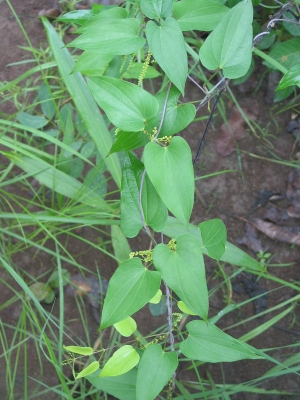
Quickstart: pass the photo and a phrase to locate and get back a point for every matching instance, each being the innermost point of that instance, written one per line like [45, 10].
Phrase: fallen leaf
[51, 13]
[250, 239]
[293, 211]
[283, 234]
[274, 215]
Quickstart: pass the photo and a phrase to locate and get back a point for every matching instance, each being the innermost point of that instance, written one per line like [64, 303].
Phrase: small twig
[207, 126]
[197, 84]
[277, 17]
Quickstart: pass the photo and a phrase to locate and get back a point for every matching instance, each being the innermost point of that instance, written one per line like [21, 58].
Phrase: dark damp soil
[230, 196]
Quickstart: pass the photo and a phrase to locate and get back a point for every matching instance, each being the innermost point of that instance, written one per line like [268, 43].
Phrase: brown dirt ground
[227, 196]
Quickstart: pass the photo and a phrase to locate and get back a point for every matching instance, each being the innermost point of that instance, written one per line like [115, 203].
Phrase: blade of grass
[84, 102]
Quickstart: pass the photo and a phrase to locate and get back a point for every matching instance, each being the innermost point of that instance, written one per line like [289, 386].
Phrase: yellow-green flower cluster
[145, 67]
[145, 255]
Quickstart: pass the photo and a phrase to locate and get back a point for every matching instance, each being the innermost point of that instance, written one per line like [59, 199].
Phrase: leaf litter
[271, 222]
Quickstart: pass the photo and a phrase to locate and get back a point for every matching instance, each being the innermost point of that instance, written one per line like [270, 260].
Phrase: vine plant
[115, 40]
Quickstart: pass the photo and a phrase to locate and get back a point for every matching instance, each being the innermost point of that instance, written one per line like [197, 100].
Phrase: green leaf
[126, 141]
[156, 9]
[184, 308]
[126, 327]
[283, 94]
[155, 369]
[229, 46]
[292, 77]
[135, 69]
[96, 181]
[232, 255]
[55, 277]
[41, 291]
[122, 361]
[84, 351]
[127, 106]
[202, 15]
[156, 299]
[77, 17]
[94, 366]
[167, 45]
[129, 289]
[286, 53]
[122, 387]
[177, 116]
[92, 64]
[170, 169]
[111, 36]
[34, 121]
[46, 98]
[292, 28]
[120, 244]
[104, 15]
[208, 343]
[84, 102]
[88, 149]
[154, 210]
[213, 233]
[183, 271]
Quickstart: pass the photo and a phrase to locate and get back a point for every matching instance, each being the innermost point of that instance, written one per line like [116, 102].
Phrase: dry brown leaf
[276, 232]
[250, 239]
[51, 13]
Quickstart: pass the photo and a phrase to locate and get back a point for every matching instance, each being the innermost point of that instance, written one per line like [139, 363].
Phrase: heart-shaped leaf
[286, 53]
[167, 45]
[170, 169]
[208, 343]
[232, 255]
[214, 236]
[126, 141]
[122, 387]
[92, 64]
[129, 289]
[111, 36]
[154, 210]
[106, 14]
[177, 116]
[202, 15]
[183, 271]
[229, 46]
[127, 106]
[156, 9]
[155, 369]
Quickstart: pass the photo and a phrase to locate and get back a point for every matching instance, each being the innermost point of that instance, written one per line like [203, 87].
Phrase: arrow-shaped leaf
[184, 272]
[155, 369]
[127, 106]
[129, 289]
[170, 169]
[229, 46]
[167, 45]
[208, 343]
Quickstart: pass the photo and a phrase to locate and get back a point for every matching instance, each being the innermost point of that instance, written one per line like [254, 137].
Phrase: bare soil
[229, 196]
